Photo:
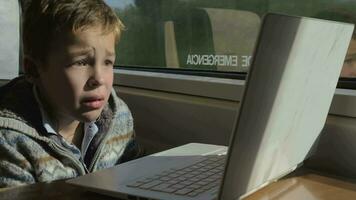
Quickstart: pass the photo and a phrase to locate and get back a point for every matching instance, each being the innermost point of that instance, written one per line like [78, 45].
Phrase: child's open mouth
[93, 102]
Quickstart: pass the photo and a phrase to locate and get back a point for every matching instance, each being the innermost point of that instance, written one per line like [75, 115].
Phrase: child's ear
[30, 69]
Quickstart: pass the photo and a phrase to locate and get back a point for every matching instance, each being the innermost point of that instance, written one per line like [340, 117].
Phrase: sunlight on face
[77, 78]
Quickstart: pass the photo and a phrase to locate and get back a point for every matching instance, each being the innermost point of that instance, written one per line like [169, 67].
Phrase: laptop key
[181, 178]
[180, 172]
[177, 186]
[209, 186]
[215, 170]
[209, 173]
[195, 179]
[164, 188]
[195, 172]
[187, 170]
[150, 184]
[135, 184]
[195, 186]
[183, 191]
[187, 182]
[193, 194]
[202, 182]
[202, 176]
[172, 182]
[165, 178]
[146, 180]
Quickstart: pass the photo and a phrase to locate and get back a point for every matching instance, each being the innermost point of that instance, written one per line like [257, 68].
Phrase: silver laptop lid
[293, 77]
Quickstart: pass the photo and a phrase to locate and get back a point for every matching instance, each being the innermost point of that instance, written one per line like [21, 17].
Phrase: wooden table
[57, 190]
[308, 186]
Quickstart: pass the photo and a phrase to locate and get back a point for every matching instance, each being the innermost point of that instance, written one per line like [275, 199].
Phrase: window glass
[216, 35]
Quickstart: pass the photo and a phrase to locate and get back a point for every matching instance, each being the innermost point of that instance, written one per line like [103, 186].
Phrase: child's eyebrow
[110, 53]
[351, 56]
[81, 52]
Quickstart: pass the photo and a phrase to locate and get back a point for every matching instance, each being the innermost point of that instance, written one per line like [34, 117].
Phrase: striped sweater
[27, 155]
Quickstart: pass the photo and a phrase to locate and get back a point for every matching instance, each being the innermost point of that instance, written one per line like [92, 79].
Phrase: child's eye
[349, 61]
[81, 63]
[109, 63]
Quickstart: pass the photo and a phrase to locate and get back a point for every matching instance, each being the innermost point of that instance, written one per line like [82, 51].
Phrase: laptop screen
[289, 90]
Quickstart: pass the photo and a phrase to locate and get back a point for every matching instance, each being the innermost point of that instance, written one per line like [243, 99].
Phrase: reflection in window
[209, 34]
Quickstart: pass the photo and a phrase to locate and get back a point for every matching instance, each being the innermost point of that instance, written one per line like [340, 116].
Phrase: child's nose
[96, 78]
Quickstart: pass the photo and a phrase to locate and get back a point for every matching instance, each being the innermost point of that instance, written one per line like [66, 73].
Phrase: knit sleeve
[133, 150]
[15, 169]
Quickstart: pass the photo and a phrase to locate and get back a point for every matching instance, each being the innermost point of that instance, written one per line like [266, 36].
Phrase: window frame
[231, 89]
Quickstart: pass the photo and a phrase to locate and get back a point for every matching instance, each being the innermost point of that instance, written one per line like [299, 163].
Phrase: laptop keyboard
[191, 180]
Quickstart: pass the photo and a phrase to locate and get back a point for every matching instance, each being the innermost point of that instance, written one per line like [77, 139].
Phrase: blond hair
[44, 19]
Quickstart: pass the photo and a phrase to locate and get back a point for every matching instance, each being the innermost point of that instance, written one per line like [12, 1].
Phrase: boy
[63, 119]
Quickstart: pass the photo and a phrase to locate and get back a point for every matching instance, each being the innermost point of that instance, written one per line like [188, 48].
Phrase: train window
[186, 35]
[210, 35]
[10, 39]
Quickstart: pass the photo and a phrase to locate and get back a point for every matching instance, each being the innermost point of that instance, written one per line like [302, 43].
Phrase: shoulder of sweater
[122, 117]
[120, 107]
[21, 133]
[18, 109]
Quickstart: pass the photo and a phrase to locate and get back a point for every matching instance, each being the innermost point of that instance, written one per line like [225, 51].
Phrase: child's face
[76, 80]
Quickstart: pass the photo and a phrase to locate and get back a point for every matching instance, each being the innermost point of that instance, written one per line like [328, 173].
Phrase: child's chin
[90, 116]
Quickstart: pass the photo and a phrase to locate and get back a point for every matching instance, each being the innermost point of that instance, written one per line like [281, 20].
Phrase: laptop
[289, 89]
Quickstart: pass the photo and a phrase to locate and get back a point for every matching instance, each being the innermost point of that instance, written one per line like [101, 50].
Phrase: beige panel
[165, 120]
[336, 150]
